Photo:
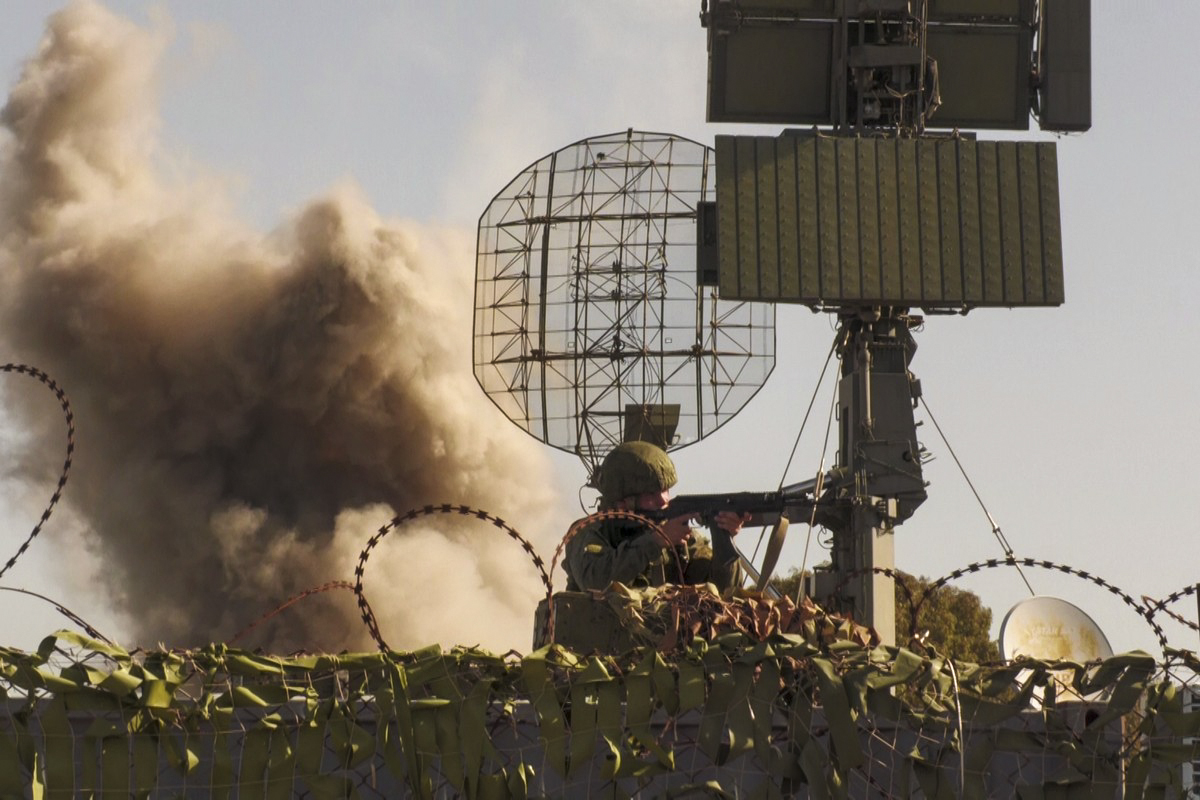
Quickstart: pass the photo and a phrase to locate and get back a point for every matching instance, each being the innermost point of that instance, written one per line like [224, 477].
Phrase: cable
[962, 742]
[804, 422]
[812, 519]
[821, 471]
[579, 497]
[762, 534]
[999, 534]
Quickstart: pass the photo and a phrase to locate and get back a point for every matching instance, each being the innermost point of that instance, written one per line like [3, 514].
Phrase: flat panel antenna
[867, 214]
[592, 324]
[860, 65]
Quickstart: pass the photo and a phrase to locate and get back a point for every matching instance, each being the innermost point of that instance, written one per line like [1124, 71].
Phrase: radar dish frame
[589, 305]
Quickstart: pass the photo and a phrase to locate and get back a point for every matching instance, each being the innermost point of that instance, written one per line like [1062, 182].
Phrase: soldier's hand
[731, 521]
[677, 530]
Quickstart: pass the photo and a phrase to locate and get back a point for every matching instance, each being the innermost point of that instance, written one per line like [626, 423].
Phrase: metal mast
[867, 215]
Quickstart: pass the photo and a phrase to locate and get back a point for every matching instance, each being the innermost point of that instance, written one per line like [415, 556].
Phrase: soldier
[638, 476]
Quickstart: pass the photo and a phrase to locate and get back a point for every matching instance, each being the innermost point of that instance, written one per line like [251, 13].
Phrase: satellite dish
[1051, 629]
[594, 319]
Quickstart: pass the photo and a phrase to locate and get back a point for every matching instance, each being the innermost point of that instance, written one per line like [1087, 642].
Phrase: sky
[1075, 424]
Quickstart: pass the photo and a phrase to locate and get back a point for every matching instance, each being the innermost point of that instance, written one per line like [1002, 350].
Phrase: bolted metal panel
[1052, 254]
[929, 222]
[968, 218]
[747, 216]
[910, 223]
[850, 229]
[927, 218]
[950, 219]
[828, 245]
[1010, 221]
[768, 219]
[789, 228]
[869, 215]
[808, 222]
[1031, 246]
[728, 256]
[991, 260]
[889, 219]
[790, 61]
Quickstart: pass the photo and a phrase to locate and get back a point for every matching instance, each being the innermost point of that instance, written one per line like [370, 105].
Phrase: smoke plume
[251, 408]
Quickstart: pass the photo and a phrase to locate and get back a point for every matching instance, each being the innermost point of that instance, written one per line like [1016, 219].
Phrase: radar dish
[1052, 629]
[592, 326]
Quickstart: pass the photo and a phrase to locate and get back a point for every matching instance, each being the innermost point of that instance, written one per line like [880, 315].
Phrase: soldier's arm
[593, 563]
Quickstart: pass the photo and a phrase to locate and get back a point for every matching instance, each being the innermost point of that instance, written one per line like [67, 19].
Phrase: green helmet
[634, 468]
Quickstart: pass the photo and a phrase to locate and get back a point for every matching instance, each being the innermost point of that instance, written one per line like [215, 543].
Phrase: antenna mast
[868, 215]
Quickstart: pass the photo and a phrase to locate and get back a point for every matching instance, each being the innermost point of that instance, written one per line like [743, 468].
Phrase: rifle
[765, 508]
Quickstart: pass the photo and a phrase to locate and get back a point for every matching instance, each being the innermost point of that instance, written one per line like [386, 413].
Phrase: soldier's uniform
[626, 551]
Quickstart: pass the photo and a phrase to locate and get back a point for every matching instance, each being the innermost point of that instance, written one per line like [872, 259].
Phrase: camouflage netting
[672, 618]
[796, 714]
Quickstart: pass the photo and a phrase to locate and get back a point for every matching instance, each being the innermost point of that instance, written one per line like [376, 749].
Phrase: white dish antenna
[1051, 629]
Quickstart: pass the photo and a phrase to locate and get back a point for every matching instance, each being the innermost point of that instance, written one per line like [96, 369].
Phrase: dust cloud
[250, 408]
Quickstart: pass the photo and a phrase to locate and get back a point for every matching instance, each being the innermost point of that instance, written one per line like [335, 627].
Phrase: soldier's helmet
[634, 468]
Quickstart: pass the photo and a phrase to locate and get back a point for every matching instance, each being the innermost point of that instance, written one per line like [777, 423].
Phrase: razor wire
[34, 372]
[1153, 607]
[992, 563]
[368, 616]
[915, 604]
[1174, 615]
[291, 601]
[1143, 611]
[66, 612]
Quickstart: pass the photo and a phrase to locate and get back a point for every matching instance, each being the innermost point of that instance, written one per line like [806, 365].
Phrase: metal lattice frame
[587, 300]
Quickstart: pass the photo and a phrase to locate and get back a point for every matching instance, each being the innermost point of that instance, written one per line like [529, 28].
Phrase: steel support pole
[878, 448]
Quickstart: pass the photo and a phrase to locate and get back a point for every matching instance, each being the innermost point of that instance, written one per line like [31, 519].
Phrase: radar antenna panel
[592, 324]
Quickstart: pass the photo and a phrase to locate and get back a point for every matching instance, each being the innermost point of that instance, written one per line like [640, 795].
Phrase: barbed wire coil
[34, 372]
[368, 615]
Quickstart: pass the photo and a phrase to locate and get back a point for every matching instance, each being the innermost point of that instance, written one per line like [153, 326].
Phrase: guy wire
[804, 422]
[999, 534]
[817, 490]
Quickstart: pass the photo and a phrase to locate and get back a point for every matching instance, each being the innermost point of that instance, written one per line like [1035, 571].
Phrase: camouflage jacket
[628, 552]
